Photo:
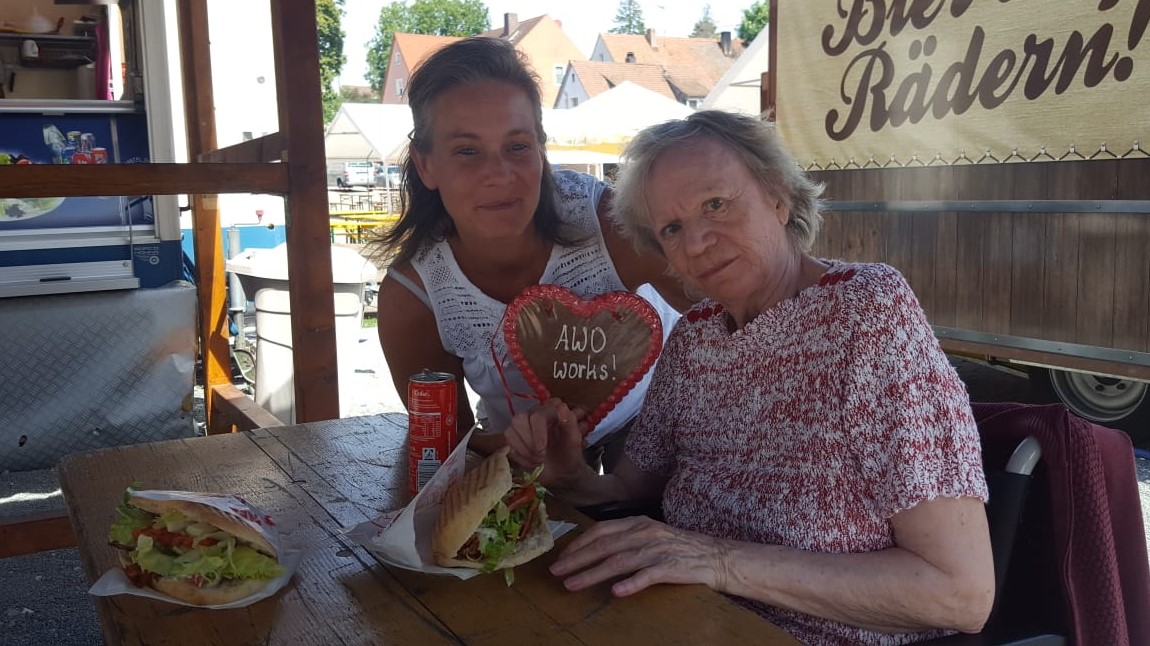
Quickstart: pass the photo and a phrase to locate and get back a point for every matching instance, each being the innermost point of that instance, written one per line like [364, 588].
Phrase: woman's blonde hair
[756, 143]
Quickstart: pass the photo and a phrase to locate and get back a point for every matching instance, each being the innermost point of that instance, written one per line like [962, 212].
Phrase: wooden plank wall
[1074, 277]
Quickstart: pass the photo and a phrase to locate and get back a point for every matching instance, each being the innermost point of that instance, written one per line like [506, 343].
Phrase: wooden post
[195, 56]
[768, 90]
[296, 45]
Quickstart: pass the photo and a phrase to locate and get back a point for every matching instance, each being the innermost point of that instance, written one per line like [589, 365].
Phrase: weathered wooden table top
[318, 478]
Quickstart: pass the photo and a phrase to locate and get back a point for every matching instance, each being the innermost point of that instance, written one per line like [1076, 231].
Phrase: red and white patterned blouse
[811, 426]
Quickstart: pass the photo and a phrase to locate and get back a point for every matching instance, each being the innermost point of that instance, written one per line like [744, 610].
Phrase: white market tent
[368, 131]
[575, 157]
[594, 133]
[613, 117]
[587, 161]
[740, 89]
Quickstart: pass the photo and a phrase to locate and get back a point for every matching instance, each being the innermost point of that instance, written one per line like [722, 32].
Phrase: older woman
[814, 451]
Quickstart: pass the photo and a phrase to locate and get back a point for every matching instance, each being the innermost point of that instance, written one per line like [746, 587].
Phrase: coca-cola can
[432, 414]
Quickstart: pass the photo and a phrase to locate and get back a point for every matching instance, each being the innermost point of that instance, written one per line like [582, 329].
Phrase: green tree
[755, 19]
[328, 16]
[705, 28]
[629, 18]
[433, 17]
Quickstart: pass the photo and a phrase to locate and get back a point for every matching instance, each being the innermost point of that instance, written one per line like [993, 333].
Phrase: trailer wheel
[1123, 404]
[246, 365]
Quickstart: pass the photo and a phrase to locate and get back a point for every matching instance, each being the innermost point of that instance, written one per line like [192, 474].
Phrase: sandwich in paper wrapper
[440, 530]
[196, 549]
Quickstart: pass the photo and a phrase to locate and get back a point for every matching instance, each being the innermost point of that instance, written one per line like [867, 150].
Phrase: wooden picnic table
[319, 477]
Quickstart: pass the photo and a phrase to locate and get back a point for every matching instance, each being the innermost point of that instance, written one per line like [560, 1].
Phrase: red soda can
[431, 424]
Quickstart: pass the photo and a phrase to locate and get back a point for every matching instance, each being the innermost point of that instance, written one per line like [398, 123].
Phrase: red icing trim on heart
[617, 303]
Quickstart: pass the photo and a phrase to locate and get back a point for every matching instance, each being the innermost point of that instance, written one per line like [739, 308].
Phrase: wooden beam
[36, 533]
[199, 108]
[233, 412]
[52, 180]
[770, 88]
[269, 148]
[308, 236]
[766, 99]
[196, 63]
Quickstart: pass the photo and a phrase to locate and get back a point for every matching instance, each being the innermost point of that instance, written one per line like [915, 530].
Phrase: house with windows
[689, 67]
[587, 79]
[407, 51]
[541, 39]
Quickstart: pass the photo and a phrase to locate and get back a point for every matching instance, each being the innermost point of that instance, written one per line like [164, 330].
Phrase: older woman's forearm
[891, 590]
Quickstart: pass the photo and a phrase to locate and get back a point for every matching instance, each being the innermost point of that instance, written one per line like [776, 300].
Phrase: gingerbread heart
[589, 353]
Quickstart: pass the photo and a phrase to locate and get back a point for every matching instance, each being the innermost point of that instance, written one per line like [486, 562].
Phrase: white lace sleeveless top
[469, 320]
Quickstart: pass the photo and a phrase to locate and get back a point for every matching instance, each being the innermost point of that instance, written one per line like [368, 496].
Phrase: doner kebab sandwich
[490, 520]
[193, 551]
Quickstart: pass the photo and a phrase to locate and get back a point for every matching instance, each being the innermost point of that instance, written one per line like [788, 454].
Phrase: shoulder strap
[411, 287]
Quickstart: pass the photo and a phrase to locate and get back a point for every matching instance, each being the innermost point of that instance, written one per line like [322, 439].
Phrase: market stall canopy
[740, 88]
[559, 156]
[374, 131]
[613, 117]
[583, 160]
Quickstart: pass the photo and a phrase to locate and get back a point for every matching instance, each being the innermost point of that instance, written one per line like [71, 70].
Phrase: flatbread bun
[536, 543]
[183, 589]
[213, 595]
[202, 513]
[466, 503]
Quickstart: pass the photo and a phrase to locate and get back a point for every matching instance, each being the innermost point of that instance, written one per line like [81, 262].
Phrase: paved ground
[43, 598]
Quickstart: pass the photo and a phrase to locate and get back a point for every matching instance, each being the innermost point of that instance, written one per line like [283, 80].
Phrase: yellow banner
[865, 83]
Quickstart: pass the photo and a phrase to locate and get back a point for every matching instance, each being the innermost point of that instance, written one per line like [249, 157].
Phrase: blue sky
[583, 20]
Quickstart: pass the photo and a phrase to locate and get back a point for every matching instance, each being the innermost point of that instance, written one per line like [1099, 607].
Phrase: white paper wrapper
[115, 581]
[403, 537]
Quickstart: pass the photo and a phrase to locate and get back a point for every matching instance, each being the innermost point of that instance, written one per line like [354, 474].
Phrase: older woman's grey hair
[755, 142]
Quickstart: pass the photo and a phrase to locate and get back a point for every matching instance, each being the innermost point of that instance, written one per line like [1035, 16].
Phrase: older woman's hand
[650, 551]
[550, 435]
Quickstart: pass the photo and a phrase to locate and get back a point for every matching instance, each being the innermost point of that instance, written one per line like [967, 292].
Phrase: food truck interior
[93, 289]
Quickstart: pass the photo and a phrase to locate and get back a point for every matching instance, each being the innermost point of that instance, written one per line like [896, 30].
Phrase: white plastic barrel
[263, 273]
